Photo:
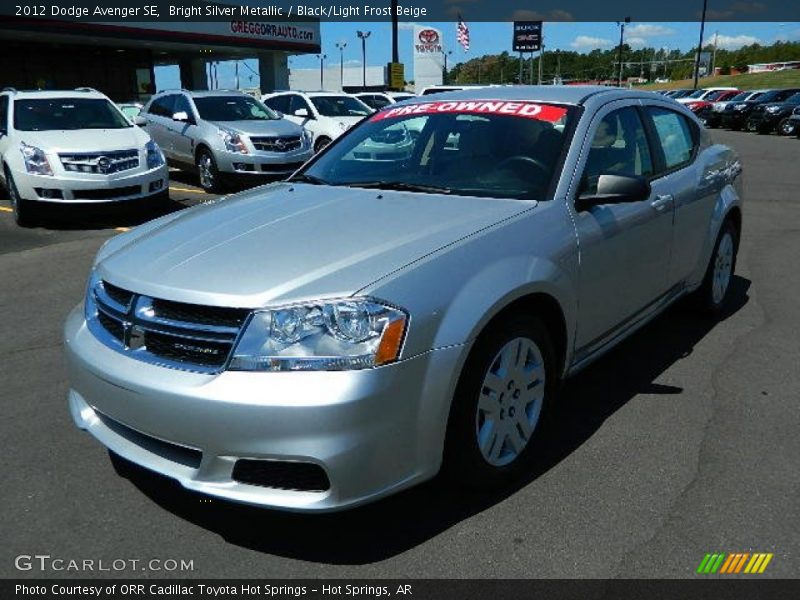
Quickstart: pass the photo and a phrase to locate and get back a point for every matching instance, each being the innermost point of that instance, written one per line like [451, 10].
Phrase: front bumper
[373, 431]
[735, 119]
[78, 188]
[262, 163]
[765, 120]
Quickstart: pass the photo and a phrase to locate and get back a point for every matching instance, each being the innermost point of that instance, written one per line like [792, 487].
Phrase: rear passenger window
[619, 147]
[675, 135]
[162, 107]
[279, 103]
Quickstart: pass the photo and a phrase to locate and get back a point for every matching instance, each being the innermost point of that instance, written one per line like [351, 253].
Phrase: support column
[273, 71]
[193, 74]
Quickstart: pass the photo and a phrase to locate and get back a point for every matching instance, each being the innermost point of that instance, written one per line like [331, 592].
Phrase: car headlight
[357, 333]
[35, 160]
[739, 106]
[155, 158]
[233, 141]
[773, 109]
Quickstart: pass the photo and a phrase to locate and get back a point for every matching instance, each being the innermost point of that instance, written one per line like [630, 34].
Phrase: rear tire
[500, 403]
[714, 293]
[23, 210]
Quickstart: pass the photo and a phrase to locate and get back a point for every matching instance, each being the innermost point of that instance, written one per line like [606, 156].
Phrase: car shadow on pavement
[391, 526]
[106, 216]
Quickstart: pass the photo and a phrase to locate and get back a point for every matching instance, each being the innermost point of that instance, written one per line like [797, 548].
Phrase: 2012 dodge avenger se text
[319, 343]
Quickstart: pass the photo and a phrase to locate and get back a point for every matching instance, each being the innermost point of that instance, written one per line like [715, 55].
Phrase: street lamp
[321, 58]
[341, 46]
[363, 35]
[619, 54]
[700, 44]
[445, 54]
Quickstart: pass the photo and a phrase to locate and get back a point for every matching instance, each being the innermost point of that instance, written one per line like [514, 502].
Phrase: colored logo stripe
[734, 563]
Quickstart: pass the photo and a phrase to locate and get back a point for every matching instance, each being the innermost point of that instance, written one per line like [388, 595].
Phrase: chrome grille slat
[277, 143]
[105, 163]
[137, 329]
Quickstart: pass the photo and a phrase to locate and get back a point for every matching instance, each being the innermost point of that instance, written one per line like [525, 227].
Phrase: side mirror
[301, 112]
[279, 113]
[140, 121]
[615, 189]
[181, 116]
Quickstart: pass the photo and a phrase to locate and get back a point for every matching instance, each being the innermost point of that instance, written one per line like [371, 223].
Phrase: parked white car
[65, 147]
[327, 115]
[378, 100]
[702, 94]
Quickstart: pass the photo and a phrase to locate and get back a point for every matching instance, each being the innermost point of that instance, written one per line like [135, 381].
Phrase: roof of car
[567, 94]
[45, 94]
[206, 93]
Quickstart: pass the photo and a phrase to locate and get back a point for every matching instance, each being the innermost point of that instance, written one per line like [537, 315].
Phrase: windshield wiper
[400, 186]
[304, 178]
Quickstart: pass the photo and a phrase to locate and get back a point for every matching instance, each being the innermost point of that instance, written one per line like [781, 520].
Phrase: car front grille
[277, 144]
[107, 193]
[178, 335]
[103, 163]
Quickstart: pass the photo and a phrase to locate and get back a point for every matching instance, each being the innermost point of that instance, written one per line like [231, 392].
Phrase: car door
[183, 134]
[692, 186]
[624, 248]
[158, 114]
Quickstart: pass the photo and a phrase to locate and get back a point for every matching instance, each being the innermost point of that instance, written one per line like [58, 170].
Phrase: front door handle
[661, 202]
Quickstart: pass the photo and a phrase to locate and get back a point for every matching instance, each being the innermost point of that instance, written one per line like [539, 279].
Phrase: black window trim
[655, 141]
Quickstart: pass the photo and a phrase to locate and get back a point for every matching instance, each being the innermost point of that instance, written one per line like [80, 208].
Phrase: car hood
[86, 140]
[267, 128]
[292, 242]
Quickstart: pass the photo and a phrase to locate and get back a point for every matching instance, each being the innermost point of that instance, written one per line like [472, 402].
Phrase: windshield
[741, 96]
[233, 108]
[493, 149]
[67, 114]
[795, 99]
[696, 94]
[716, 95]
[770, 96]
[340, 106]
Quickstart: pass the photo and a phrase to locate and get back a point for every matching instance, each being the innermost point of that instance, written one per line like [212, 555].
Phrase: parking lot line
[189, 190]
[6, 209]
[122, 229]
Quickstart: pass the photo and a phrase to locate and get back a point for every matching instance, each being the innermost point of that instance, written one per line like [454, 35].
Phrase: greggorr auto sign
[528, 110]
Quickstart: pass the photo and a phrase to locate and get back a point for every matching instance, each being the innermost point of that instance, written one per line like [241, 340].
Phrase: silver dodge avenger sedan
[322, 342]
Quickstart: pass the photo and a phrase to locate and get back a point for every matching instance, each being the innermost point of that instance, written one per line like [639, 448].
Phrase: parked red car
[697, 105]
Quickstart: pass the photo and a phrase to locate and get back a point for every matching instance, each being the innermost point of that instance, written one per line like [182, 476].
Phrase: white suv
[327, 115]
[74, 147]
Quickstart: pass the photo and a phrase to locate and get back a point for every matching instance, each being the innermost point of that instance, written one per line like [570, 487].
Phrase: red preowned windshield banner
[528, 110]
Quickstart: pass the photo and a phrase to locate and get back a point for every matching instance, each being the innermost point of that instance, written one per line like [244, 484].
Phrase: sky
[493, 38]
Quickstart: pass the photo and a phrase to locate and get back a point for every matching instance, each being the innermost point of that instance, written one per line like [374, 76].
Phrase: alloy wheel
[510, 401]
[723, 267]
[205, 167]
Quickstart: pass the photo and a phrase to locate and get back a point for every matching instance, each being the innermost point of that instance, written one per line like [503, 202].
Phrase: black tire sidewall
[22, 209]
[463, 460]
[217, 178]
[705, 293]
[322, 143]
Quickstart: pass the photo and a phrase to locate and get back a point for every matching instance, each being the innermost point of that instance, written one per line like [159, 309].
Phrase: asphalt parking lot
[682, 441]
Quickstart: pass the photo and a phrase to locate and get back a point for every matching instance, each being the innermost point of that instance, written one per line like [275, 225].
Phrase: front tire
[321, 144]
[500, 403]
[22, 209]
[786, 127]
[714, 293]
[210, 177]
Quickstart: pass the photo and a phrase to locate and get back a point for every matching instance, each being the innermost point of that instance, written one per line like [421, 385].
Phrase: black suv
[736, 115]
[773, 116]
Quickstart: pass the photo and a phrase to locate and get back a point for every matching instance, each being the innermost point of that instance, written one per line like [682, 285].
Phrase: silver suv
[321, 342]
[224, 133]
[72, 147]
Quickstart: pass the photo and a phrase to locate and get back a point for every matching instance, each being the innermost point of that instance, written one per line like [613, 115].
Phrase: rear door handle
[661, 202]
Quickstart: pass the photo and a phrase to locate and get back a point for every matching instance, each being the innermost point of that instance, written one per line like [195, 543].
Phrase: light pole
[700, 44]
[363, 35]
[341, 46]
[321, 58]
[619, 53]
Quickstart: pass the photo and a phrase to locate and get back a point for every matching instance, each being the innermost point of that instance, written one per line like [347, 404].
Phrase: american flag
[462, 34]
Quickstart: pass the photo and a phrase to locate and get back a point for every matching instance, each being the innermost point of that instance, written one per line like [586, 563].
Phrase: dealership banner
[428, 56]
[411, 589]
[407, 10]
[527, 36]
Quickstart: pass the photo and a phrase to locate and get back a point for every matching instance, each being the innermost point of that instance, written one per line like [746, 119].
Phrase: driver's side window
[619, 147]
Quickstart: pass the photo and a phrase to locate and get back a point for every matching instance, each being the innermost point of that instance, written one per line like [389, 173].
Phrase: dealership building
[119, 58]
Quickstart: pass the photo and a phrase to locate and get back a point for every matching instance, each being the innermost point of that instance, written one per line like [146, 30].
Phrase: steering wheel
[525, 160]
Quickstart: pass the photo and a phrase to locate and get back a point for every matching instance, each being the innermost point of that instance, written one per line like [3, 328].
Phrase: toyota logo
[103, 164]
[429, 36]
